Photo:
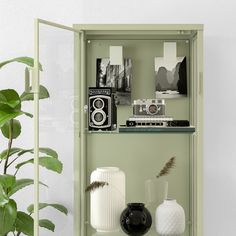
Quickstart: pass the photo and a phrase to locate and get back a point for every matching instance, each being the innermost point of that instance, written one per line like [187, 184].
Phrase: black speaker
[102, 113]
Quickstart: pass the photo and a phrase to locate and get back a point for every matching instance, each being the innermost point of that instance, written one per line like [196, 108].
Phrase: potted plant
[13, 221]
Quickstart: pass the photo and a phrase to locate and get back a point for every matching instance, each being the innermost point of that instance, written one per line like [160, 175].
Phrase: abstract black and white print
[171, 77]
[118, 77]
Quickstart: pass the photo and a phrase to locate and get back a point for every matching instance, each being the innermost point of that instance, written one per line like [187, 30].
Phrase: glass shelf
[151, 232]
[102, 131]
[190, 129]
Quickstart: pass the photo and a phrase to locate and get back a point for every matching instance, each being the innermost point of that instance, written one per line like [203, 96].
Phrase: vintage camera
[102, 113]
[149, 107]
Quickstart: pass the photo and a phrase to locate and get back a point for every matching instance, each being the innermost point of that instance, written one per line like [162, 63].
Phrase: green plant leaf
[7, 113]
[24, 223]
[13, 151]
[28, 114]
[49, 151]
[50, 163]
[23, 151]
[7, 181]
[21, 183]
[2, 98]
[3, 197]
[47, 224]
[58, 207]
[10, 98]
[43, 93]
[16, 129]
[8, 215]
[25, 60]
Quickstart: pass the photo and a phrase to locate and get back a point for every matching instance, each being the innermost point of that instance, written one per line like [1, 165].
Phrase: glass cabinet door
[54, 111]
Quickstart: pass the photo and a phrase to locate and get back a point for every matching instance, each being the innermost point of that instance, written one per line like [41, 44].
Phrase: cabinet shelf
[190, 129]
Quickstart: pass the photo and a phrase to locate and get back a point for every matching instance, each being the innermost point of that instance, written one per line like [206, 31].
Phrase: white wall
[16, 31]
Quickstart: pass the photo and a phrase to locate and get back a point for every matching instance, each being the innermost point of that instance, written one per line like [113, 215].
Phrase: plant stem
[9, 145]
[12, 161]
[16, 172]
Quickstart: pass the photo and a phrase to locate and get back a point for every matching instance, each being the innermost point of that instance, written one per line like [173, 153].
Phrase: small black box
[179, 123]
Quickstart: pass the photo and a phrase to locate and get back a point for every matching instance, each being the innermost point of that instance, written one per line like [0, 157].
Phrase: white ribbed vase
[170, 218]
[107, 202]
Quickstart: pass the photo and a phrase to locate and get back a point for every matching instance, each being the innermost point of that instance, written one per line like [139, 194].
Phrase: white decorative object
[155, 193]
[107, 202]
[116, 55]
[170, 218]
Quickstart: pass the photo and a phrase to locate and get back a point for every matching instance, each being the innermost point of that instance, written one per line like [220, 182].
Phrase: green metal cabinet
[139, 155]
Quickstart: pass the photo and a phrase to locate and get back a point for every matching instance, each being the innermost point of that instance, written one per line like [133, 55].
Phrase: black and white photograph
[170, 77]
[118, 77]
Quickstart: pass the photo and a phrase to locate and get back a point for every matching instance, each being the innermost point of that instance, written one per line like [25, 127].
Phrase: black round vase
[135, 219]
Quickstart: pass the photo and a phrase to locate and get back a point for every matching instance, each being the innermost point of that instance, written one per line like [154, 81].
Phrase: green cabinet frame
[88, 38]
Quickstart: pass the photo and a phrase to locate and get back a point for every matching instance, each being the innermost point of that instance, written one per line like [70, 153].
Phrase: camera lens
[152, 109]
[98, 117]
[98, 103]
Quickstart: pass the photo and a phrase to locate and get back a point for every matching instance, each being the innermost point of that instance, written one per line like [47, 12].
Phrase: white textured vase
[170, 218]
[107, 202]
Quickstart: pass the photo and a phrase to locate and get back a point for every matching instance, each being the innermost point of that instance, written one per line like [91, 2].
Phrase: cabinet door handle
[200, 85]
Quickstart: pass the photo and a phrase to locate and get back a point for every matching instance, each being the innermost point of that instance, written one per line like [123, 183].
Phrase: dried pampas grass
[168, 166]
[95, 185]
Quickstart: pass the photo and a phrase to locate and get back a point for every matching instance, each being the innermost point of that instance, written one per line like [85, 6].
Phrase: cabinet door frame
[35, 90]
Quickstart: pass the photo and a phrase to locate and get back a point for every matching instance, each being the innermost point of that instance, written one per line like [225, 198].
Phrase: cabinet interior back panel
[141, 156]
[142, 54]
